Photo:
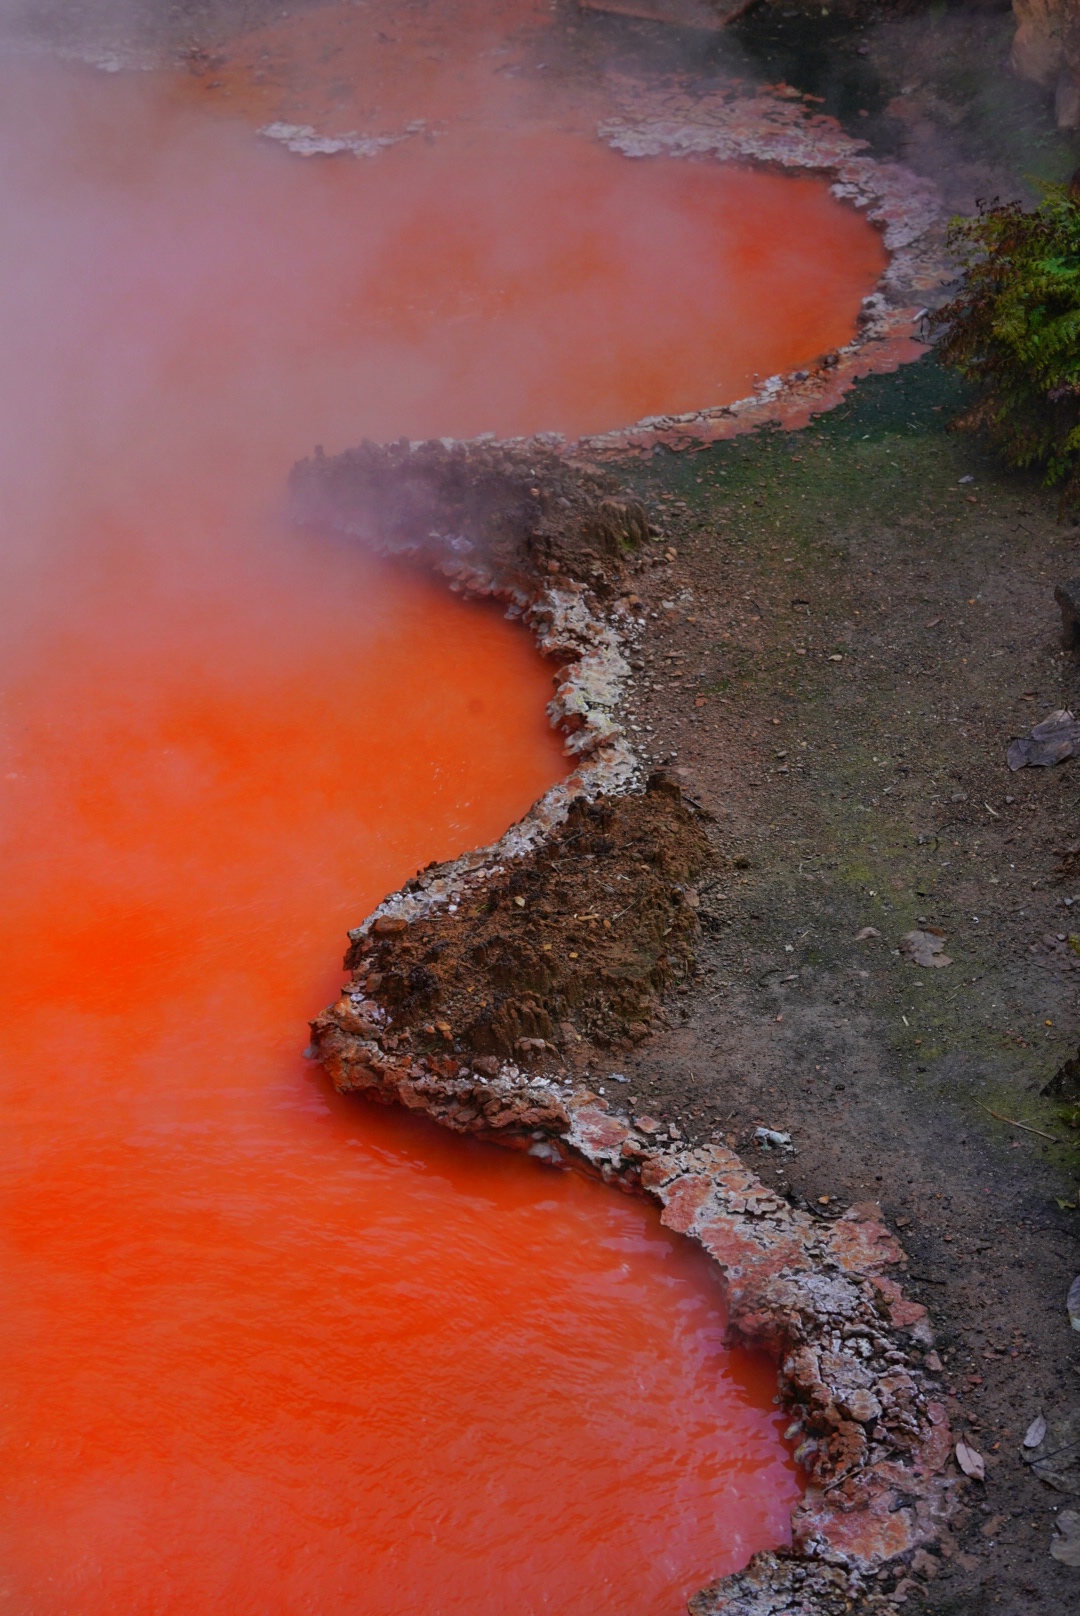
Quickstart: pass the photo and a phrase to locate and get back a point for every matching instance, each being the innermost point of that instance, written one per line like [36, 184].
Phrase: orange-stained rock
[683, 1200]
[742, 1249]
[859, 1244]
[903, 1312]
[869, 1535]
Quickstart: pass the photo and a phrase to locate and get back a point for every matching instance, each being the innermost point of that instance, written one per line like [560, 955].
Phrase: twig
[846, 1476]
[1054, 1140]
[1051, 1455]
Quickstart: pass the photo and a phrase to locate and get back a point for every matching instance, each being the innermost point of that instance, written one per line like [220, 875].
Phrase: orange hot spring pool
[266, 1351]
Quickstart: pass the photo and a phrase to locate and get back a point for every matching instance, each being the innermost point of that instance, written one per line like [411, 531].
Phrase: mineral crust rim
[813, 1293]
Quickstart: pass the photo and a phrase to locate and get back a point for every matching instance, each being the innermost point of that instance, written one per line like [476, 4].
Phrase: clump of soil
[565, 951]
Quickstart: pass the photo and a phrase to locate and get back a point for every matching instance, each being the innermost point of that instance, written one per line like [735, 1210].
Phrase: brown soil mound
[569, 947]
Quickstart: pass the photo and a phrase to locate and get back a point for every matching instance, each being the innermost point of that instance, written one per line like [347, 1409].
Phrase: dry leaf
[865, 935]
[1035, 1432]
[971, 1462]
[925, 947]
[1056, 738]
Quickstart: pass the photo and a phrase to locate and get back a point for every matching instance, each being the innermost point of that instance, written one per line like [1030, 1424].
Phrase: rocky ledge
[483, 993]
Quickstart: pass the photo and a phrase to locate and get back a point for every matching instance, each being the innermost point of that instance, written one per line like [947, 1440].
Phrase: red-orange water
[264, 1351]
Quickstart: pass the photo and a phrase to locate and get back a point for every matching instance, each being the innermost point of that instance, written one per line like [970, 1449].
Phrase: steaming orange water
[264, 1351]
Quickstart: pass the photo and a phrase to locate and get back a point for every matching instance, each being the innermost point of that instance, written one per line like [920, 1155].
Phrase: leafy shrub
[1014, 330]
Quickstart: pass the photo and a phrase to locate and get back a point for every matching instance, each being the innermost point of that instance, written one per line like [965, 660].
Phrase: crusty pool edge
[815, 1293]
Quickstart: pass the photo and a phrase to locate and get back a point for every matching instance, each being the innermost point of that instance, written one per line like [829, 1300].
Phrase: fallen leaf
[934, 621]
[1052, 741]
[925, 948]
[1035, 1432]
[865, 935]
[971, 1462]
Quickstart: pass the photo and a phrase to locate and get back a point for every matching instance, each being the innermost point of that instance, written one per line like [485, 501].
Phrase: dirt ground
[844, 645]
[846, 627]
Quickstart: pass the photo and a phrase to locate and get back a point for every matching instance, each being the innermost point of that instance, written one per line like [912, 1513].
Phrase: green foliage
[1014, 330]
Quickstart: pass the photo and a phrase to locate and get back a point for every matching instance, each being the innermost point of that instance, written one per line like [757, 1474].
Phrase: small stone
[925, 1565]
[861, 1404]
[390, 926]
